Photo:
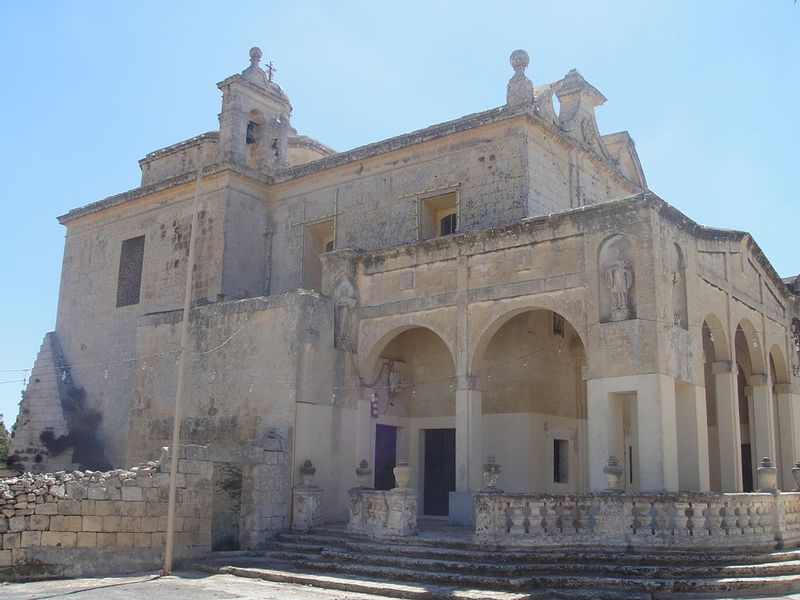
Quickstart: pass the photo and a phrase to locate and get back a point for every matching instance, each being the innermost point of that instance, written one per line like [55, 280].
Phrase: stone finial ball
[519, 59]
[255, 53]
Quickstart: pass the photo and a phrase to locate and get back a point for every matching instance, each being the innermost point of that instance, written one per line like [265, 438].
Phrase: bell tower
[254, 122]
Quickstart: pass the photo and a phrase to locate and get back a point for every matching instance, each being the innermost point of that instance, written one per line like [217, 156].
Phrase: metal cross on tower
[270, 70]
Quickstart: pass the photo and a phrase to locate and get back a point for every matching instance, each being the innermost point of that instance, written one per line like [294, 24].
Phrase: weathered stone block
[88, 507]
[105, 507]
[17, 524]
[30, 538]
[65, 539]
[136, 509]
[97, 493]
[69, 507]
[132, 494]
[47, 508]
[93, 523]
[111, 524]
[149, 524]
[156, 509]
[6, 558]
[125, 540]
[62, 523]
[11, 541]
[39, 522]
[106, 540]
[142, 540]
[87, 539]
[130, 524]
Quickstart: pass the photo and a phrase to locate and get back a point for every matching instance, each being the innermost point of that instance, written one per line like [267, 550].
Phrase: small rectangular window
[438, 216]
[129, 280]
[560, 461]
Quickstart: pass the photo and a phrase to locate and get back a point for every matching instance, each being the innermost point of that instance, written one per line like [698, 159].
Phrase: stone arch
[715, 333]
[616, 270]
[779, 371]
[490, 328]
[755, 350]
[372, 342]
[254, 139]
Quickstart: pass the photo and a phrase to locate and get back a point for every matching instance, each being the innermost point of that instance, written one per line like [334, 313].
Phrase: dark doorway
[385, 456]
[440, 470]
[747, 469]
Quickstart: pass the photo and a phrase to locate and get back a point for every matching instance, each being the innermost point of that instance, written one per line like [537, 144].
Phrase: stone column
[657, 433]
[764, 417]
[788, 417]
[469, 454]
[728, 427]
[690, 410]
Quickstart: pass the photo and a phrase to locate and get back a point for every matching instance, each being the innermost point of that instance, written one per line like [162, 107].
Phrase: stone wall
[86, 523]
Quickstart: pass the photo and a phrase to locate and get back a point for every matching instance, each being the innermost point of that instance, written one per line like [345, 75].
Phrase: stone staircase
[448, 567]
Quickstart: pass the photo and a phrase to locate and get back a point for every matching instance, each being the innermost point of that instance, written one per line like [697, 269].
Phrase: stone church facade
[502, 284]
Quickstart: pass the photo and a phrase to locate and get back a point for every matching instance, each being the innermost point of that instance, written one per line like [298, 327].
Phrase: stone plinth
[306, 507]
[380, 513]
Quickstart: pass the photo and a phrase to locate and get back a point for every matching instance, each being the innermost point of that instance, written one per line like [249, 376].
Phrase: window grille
[129, 280]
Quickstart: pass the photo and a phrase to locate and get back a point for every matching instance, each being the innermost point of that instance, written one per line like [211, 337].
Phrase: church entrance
[439, 471]
[385, 456]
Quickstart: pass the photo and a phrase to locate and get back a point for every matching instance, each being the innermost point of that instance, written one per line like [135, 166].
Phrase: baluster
[567, 522]
[637, 521]
[680, 519]
[548, 518]
[726, 522]
[536, 523]
[710, 517]
[516, 513]
[654, 525]
[591, 521]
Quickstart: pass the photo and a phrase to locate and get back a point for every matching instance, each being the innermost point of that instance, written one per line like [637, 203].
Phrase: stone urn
[767, 476]
[796, 475]
[613, 474]
[402, 474]
[491, 471]
[307, 470]
[363, 474]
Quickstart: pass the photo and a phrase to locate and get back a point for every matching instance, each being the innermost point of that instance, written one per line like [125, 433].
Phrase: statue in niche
[619, 280]
[344, 305]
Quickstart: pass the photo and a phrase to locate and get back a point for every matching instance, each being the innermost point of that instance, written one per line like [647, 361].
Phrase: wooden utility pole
[183, 360]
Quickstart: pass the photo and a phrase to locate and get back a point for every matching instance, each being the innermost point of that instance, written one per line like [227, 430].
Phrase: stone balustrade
[380, 513]
[668, 521]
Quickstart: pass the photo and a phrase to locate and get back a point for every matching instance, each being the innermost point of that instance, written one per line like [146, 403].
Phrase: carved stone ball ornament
[519, 60]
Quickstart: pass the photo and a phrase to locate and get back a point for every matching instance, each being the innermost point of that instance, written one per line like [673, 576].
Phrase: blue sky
[708, 90]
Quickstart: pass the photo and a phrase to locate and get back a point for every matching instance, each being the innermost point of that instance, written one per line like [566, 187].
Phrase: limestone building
[502, 284]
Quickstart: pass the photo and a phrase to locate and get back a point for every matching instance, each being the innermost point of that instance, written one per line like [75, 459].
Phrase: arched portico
[528, 367]
[409, 411]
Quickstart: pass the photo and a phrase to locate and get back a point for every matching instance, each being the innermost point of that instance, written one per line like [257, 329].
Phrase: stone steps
[427, 567]
[420, 547]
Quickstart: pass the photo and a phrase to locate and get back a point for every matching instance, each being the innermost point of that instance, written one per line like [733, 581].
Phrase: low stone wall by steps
[86, 523]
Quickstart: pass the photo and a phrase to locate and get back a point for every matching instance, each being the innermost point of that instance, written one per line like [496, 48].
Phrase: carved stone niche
[617, 280]
[339, 282]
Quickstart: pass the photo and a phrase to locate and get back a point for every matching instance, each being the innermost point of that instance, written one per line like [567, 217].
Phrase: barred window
[129, 281]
